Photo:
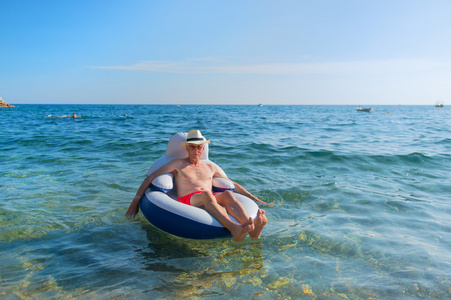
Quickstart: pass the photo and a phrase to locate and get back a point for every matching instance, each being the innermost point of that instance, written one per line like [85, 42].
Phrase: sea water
[360, 203]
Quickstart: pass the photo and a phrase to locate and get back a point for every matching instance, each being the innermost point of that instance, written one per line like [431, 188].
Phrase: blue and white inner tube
[161, 208]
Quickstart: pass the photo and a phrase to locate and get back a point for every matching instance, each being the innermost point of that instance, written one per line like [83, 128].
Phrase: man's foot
[260, 222]
[241, 229]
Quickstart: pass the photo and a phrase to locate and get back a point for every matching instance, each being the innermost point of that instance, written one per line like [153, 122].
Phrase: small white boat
[439, 104]
[364, 109]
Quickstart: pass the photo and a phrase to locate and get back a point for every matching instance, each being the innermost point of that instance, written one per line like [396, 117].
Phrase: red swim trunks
[187, 198]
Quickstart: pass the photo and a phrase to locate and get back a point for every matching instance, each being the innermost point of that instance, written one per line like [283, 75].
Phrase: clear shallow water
[362, 203]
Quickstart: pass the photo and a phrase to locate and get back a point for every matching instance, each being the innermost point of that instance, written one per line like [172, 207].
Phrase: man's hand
[133, 209]
[262, 202]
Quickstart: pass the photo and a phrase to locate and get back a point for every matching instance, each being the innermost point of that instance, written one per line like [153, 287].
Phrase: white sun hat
[195, 137]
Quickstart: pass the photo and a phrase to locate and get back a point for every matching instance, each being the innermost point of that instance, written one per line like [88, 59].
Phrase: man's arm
[133, 209]
[241, 190]
[238, 188]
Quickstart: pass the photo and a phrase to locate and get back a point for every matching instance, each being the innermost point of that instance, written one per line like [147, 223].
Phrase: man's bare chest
[195, 173]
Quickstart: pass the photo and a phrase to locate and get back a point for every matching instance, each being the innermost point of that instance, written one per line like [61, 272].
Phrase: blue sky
[225, 52]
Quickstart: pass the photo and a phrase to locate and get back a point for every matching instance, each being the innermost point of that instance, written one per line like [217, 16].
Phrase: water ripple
[361, 203]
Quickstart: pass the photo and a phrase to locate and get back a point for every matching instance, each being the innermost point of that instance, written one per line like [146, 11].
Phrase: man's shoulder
[208, 163]
[213, 167]
[182, 162]
[178, 161]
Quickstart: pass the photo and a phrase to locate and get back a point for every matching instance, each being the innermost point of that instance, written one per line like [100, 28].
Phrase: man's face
[195, 150]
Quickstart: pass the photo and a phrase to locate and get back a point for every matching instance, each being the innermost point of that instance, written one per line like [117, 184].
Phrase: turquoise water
[362, 203]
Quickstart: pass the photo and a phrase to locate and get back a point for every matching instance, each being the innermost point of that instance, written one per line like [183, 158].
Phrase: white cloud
[216, 66]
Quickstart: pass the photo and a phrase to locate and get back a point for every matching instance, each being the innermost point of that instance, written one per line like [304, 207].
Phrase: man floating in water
[193, 179]
[73, 116]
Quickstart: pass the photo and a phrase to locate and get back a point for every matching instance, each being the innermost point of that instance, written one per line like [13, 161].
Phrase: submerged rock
[4, 104]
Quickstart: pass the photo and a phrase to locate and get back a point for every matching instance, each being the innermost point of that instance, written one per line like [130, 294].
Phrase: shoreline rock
[4, 103]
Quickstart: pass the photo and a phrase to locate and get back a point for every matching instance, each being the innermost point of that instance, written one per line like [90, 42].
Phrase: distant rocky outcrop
[4, 104]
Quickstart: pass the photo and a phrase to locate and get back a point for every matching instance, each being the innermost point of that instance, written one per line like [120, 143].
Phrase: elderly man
[193, 179]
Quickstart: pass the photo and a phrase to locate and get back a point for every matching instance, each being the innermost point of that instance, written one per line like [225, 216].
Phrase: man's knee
[208, 197]
[228, 194]
[228, 197]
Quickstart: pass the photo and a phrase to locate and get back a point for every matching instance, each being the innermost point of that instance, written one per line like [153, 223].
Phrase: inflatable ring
[161, 209]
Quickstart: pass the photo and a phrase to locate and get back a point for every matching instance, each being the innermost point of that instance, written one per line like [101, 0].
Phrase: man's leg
[209, 202]
[232, 206]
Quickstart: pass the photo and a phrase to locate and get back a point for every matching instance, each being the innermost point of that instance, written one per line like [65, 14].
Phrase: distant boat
[364, 109]
[439, 104]
[261, 104]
